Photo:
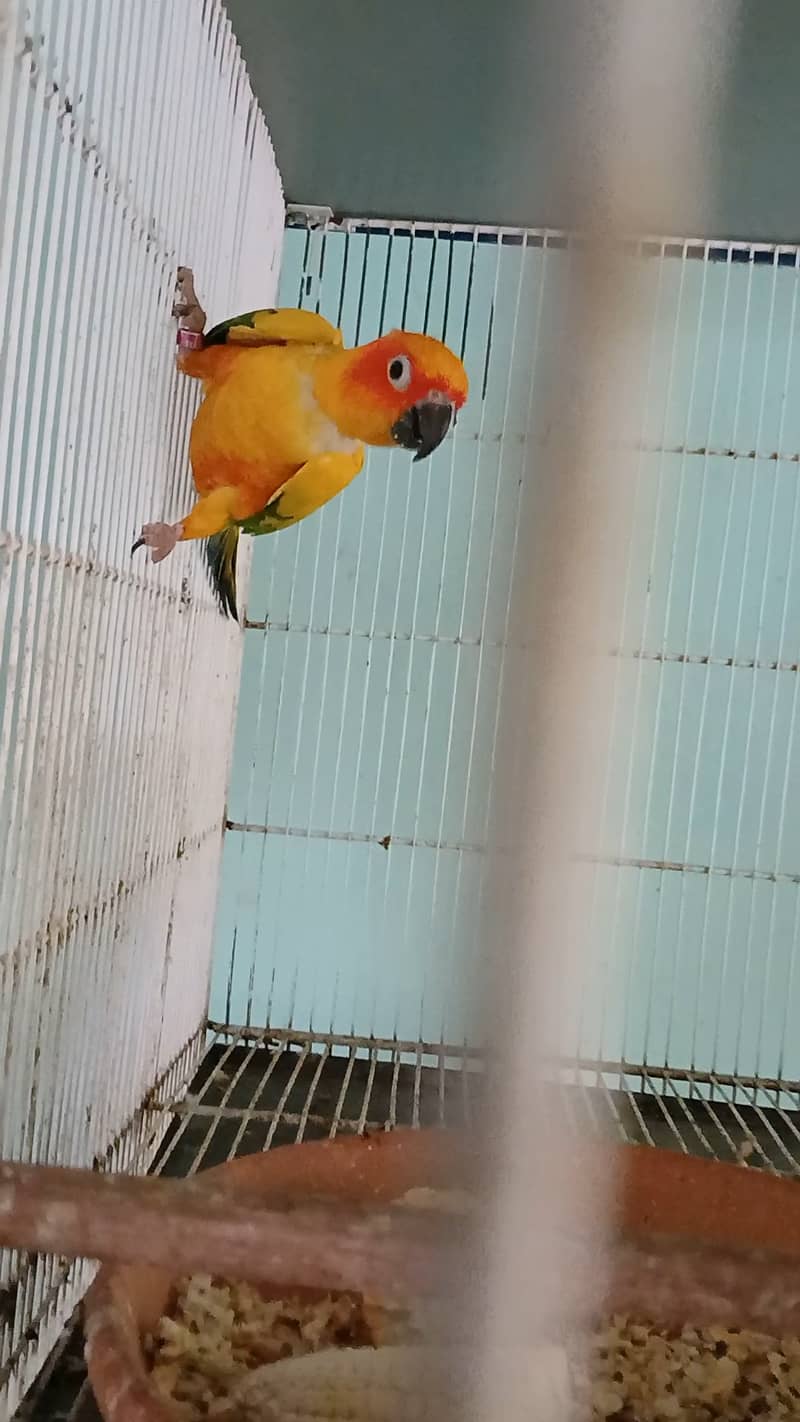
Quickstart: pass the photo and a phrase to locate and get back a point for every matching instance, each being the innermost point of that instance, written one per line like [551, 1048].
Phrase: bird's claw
[160, 538]
[187, 308]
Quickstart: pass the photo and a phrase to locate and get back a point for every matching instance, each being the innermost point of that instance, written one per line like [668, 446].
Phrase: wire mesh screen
[112, 782]
[376, 633]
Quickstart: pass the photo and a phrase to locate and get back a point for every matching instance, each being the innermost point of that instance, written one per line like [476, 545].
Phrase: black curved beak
[423, 427]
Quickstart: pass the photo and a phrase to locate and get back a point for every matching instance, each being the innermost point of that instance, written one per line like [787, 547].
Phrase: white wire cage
[112, 786]
[375, 640]
[333, 1011]
[367, 726]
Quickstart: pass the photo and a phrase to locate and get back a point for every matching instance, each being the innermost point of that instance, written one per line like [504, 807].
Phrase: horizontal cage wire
[112, 787]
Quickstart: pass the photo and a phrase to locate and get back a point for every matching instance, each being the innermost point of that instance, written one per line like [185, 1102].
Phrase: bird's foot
[160, 538]
[190, 314]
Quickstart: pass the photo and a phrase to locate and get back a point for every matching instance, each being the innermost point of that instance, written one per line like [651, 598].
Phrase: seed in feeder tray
[695, 1375]
[219, 1334]
[208, 1357]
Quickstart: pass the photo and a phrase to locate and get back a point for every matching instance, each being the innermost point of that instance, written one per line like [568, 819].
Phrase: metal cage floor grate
[257, 1089]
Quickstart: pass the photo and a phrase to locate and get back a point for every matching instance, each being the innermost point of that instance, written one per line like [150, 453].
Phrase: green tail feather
[220, 553]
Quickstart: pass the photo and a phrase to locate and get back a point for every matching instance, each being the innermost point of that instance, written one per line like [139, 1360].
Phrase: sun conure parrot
[285, 415]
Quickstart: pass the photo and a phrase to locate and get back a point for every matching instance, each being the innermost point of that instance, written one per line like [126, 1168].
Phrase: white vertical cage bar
[517, 283]
[420, 321]
[772, 497]
[619, 685]
[132, 144]
[274, 749]
[354, 603]
[675, 574]
[646, 1054]
[328, 517]
[394, 464]
[435, 251]
[663, 439]
[718, 810]
[784, 652]
[452, 770]
[528, 442]
[337, 513]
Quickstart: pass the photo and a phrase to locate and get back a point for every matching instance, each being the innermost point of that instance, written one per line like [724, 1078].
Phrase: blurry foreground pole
[641, 134]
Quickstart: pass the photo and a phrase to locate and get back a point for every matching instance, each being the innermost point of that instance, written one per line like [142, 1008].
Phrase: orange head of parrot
[404, 389]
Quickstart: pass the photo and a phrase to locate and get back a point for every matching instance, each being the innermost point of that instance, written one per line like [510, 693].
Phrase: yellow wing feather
[316, 482]
[288, 326]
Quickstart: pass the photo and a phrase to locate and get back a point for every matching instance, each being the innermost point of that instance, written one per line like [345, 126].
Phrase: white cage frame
[112, 788]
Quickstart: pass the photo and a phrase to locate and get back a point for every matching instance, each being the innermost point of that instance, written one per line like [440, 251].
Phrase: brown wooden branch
[190, 1226]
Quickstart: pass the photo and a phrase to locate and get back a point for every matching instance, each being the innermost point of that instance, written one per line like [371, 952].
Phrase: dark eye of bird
[396, 370]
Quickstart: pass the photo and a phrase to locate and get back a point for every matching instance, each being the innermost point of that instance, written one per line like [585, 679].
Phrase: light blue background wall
[369, 706]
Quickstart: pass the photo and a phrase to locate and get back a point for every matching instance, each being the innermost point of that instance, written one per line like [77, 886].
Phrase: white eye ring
[399, 372]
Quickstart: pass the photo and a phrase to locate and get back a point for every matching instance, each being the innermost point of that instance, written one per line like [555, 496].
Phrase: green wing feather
[269, 520]
[220, 554]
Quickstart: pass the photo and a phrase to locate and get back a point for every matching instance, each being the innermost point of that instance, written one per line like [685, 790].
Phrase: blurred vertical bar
[642, 137]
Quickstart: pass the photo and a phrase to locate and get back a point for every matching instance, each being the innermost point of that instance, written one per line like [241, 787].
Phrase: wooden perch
[186, 1226]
